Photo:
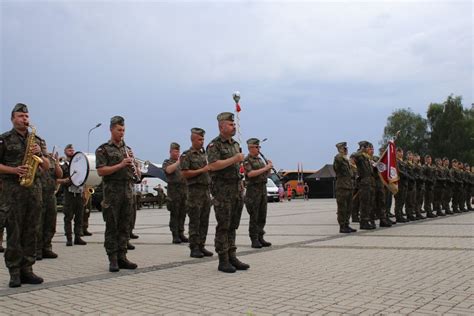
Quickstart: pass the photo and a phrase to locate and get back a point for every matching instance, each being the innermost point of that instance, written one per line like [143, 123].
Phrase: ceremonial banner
[387, 166]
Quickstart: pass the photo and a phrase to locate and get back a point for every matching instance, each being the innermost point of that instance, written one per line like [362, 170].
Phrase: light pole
[89, 135]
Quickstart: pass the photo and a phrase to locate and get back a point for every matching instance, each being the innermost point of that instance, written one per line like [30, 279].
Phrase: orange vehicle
[295, 179]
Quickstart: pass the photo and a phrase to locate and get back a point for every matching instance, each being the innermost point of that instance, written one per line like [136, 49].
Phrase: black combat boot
[224, 264]
[256, 243]
[449, 212]
[430, 214]
[196, 253]
[130, 246]
[113, 263]
[343, 229]
[28, 277]
[401, 219]
[69, 241]
[263, 242]
[39, 255]
[49, 254]
[1, 248]
[124, 263]
[182, 237]
[205, 252]
[385, 223]
[239, 265]
[440, 213]
[176, 239]
[86, 232]
[79, 241]
[419, 216]
[366, 225]
[351, 229]
[15, 280]
[133, 236]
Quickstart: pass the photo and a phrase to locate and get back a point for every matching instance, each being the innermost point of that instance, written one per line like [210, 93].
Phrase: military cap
[427, 156]
[20, 107]
[68, 146]
[409, 152]
[437, 159]
[399, 149]
[341, 145]
[117, 120]
[199, 131]
[363, 143]
[174, 146]
[253, 141]
[454, 160]
[225, 116]
[466, 165]
[445, 158]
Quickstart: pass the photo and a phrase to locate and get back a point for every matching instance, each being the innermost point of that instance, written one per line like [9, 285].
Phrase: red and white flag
[387, 166]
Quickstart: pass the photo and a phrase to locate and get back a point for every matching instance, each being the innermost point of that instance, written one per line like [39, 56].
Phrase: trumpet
[136, 178]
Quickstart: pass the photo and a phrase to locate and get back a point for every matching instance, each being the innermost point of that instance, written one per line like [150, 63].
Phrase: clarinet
[136, 178]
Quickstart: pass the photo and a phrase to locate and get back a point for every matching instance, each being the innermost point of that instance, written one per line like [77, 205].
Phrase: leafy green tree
[413, 131]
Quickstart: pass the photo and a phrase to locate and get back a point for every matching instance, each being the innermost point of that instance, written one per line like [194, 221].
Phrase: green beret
[68, 146]
[20, 107]
[341, 145]
[225, 116]
[117, 120]
[253, 141]
[174, 146]
[199, 131]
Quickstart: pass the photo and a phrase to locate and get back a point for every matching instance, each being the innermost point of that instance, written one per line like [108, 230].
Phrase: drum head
[79, 169]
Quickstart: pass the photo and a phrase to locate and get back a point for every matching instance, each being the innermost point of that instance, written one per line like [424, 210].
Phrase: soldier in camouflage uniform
[256, 174]
[468, 184]
[430, 179]
[366, 194]
[464, 185]
[224, 157]
[400, 197]
[117, 172]
[21, 204]
[420, 186]
[447, 195]
[2, 218]
[355, 205]
[47, 223]
[410, 203]
[458, 186]
[378, 209]
[73, 202]
[344, 188]
[177, 194]
[194, 167]
[439, 188]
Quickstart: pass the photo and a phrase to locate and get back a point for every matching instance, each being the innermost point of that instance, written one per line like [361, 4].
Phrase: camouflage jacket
[254, 163]
[344, 174]
[221, 149]
[193, 159]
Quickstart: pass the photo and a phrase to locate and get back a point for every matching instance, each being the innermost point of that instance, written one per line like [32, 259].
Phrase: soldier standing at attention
[22, 204]
[344, 188]
[114, 162]
[366, 195]
[355, 205]
[256, 174]
[440, 188]
[448, 188]
[73, 202]
[194, 167]
[430, 179]
[224, 157]
[400, 197]
[410, 203]
[177, 194]
[468, 186]
[420, 185]
[47, 225]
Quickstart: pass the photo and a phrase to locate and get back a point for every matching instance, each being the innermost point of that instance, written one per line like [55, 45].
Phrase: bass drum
[82, 170]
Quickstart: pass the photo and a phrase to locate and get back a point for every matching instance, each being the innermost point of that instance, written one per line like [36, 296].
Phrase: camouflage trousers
[457, 197]
[176, 204]
[366, 200]
[447, 196]
[420, 194]
[400, 199]
[73, 209]
[410, 203]
[116, 211]
[344, 206]
[86, 214]
[468, 196]
[133, 213]
[439, 197]
[256, 204]
[198, 207]
[228, 209]
[47, 223]
[428, 198]
[23, 209]
[355, 204]
[378, 211]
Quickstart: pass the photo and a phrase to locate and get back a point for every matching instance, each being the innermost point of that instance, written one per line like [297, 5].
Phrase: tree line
[447, 130]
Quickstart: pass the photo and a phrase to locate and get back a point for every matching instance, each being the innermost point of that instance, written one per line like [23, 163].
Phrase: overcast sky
[310, 73]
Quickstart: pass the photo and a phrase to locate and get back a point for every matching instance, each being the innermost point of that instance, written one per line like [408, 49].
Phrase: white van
[272, 191]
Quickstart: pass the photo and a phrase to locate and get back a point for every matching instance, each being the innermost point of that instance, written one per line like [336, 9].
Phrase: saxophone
[32, 161]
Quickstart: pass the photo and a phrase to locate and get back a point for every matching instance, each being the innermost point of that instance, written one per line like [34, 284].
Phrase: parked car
[272, 191]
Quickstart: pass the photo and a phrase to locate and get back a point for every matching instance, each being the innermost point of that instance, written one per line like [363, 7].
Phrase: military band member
[22, 204]
[366, 195]
[114, 162]
[344, 188]
[256, 175]
[47, 224]
[73, 203]
[177, 194]
[430, 179]
[224, 157]
[400, 197]
[194, 167]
